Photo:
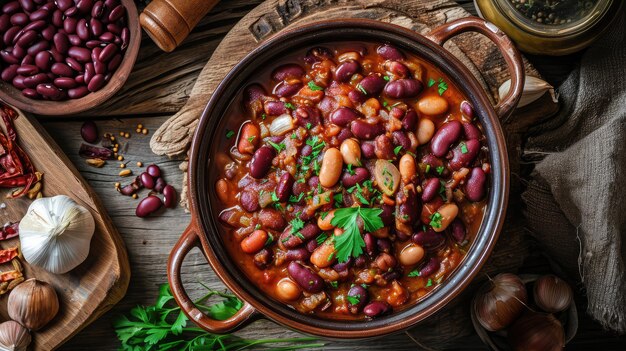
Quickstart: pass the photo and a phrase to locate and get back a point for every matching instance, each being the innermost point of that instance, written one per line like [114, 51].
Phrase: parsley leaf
[350, 243]
[414, 273]
[442, 86]
[386, 78]
[334, 284]
[429, 283]
[251, 139]
[440, 169]
[431, 82]
[463, 148]
[229, 133]
[354, 300]
[279, 147]
[314, 86]
[360, 87]
[290, 106]
[308, 125]
[397, 150]
[321, 238]
[435, 220]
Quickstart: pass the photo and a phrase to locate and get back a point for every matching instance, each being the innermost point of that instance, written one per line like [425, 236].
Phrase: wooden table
[149, 240]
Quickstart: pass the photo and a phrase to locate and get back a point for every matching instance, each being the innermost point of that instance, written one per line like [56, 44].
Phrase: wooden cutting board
[92, 288]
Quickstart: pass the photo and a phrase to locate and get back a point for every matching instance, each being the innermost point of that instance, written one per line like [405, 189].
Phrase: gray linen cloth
[576, 197]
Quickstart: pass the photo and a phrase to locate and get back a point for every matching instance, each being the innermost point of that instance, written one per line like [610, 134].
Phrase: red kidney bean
[389, 52]
[85, 6]
[108, 52]
[43, 60]
[95, 27]
[346, 70]
[429, 239]
[64, 4]
[69, 25]
[376, 309]
[57, 18]
[49, 32]
[311, 245]
[368, 150]
[248, 199]
[28, 5]
[62, 69]
[263, 258]
[383, 147]
[114, 63]
[99, 67]
[290, 241]
[444, 137]
[40, 14]
[467, 109]
[96, 83]
[384, 245]
[262, 161]
[94, 44]
[31, 93]
[146, 180]
[464, 153]
[401, 139]
[27, 60]
[283, 189]
[306, 115]
[284, 89]
[27, 70]
[5, 22]
[373, 84]
[19, 19]
[430, 267]
[107, 37]
[159, 185]
[430, 189]
[169, 195]
[97, 9]
[77, 93]
[272, 219]
[33, 81]
[364, 130]
[10, 35]
[154, 171]
[407, 207]
[317, 54]
[82, 30]
[274, 108]
[344, 116]
[36, 26]
[397, 69]
[11, 7]
[300, 254]
[403, 88]
[357, 96]
[48, 90]
[409, 122]
[80, 79]
[471, 131]
[148, 205]
[80, 54]
[475, 185]
[290, 70]
[75, 40]
[370, 244]
[432, 161]
[71, 12]
[114, 28]
[26, 38]
[9, 73]
[61, 42]
[308, 280]
[458, 230]
[116, 13]
[387, 214]
[18, 52]
[90, 72]
[344, 134]
[95, 53]
[89, 132]
[18, 82]
[125, 37]
[360, 296]
[38, 47]
[8, 57]
[360, 175]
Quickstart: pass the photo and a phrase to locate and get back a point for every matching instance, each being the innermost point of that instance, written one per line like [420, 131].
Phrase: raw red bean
[430, 267]
[43, 60]
[38, 47]
[48, 90]
[430, 189]
[108, 52]
[27, 70]
[57, 18]
[36, 26]
[77, 93]
[458, 230]
[283, 189]
[360, 296]
[97, 9]
[475, 185]
[75, 40]
[376, 309]
[31, 93]
[305, 278]
[148, 205]
[262, 161]
[64, 4]
[27, 60]
[9, 73]
[344, 116]
[74, 64]
[290, 70]
[169, 194]
[90, 72]
[125, 37]
[464, 153]
[428, 239]
[95, 27]
[96, 83]
[159, 185]
[71, 12]
[444, 137]
[409, 122]
[11, 7]
[40, 14]
[28, 5]
[62, 69]
[389, 52]
[471, 131]
[19, 19]
[403, 88]
[107, 37]
[82, 30]
[94, 44]
[116, 13]
[373, 84]
[61, 42]
[35, 80]
[26, 38]
[10, 34]
[85, 6]
[89, 132]
[114, 28]
[5, 22]
[364, 130]
[18, 82]
[99, 67]
[154, 171]
[360, 175]
[346, 70]
[146, 180]
[69, 25]
[114, 63]
[80, 54]
[18, 52]
[8, 57]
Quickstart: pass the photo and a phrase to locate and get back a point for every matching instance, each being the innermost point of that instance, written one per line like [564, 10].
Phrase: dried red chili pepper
[8, 254]
[9, 275]
[89, 151]
[10, 231]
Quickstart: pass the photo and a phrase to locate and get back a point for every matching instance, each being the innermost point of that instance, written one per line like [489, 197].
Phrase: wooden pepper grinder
[168, 22]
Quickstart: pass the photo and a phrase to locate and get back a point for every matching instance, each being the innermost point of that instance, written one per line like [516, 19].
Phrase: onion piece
[500, 301]
[281, 125]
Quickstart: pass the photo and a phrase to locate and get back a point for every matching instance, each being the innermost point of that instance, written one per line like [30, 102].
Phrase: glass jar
[551, 27]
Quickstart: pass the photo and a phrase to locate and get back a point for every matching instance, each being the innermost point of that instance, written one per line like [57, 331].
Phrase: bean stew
[351, 179]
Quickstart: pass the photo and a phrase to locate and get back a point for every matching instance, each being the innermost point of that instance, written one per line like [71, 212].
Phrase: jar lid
[554, 18]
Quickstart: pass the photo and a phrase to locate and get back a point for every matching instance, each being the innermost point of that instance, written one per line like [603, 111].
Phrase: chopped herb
[279, 147]
[319, 188]
[316, 167]
[349, 169]
[275, 197]
[324, 214]
[299, 235]
[397, 150]
[364, 286]
[296, 199]
[296, 224]
[308, 125]
[414, 273]
[463, 148]
[270, 239]
[263, 116]
[386, 78]
[405, 217]
[350, 243]
[427, 169]
[360, 87]
[429, 283]
[354, 300]
[338, 199]
[314, 86]
[229, 133]
[294, 136]
[301, 180]
[321, 238]
[435, 220]
[440, 169]
[257, 227]
[385, 103]
[443, 86]
[359, 195]
[251, 139]
[278, 206]
[334, 284]
[290, 106]
[431, 82]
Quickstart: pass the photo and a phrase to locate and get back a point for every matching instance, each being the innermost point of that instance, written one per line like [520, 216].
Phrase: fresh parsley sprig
[350, 243]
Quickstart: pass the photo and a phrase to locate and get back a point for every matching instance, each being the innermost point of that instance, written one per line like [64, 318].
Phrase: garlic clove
[534, 88]
[14, 337]
[55, 234]
[33, 304]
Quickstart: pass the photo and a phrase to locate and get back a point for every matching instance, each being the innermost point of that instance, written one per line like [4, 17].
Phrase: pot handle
[188, 240]
[512, 57]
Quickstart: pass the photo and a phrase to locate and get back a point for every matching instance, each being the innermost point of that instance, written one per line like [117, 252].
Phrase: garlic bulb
[33, 304]
[13, 337]
[55, 234]
[534, 88]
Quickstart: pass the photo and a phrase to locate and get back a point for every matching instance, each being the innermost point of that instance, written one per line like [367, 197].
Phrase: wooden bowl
[14, 97]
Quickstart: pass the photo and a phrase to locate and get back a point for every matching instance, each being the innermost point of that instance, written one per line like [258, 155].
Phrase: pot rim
[493, 219]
